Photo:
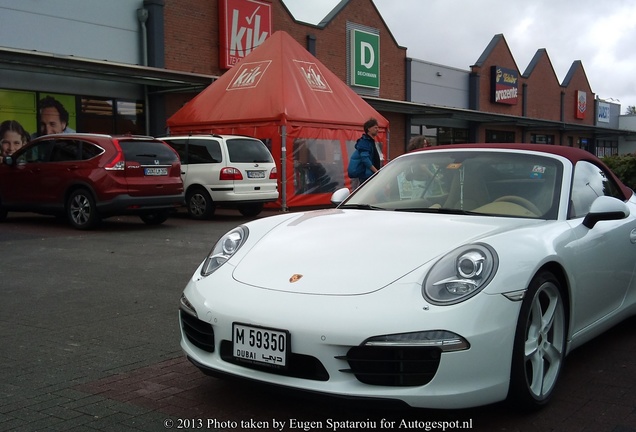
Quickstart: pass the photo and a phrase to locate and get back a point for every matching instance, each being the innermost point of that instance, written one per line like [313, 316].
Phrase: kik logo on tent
[312, 75]
[248, 75]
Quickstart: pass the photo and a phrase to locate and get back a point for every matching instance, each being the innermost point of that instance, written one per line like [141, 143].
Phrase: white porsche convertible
[457, 276]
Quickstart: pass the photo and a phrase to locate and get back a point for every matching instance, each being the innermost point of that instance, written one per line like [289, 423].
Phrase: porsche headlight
[224, 249]
[461, 274]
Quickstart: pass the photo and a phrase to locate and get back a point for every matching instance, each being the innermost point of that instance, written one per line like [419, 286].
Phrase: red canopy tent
[306, 115]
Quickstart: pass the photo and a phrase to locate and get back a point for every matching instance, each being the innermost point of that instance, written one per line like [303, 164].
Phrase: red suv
[88, 177]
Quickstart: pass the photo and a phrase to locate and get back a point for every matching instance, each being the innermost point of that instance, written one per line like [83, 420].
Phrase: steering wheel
[520, 201]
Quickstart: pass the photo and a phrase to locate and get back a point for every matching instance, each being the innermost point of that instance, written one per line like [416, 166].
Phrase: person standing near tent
[365, 161]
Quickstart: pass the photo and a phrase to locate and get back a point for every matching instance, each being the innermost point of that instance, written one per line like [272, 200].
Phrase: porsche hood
[350, 252]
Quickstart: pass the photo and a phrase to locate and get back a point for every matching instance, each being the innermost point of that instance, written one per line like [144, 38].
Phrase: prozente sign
[365, 59]
[243, 25]
[505, 85]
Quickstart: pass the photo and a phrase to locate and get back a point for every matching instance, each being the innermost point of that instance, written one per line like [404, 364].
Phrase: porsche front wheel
[539, 346]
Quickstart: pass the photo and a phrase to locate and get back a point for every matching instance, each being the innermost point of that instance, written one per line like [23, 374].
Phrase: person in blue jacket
[367, 151]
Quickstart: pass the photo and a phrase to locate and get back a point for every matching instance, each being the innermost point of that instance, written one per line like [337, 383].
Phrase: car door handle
[72, 167]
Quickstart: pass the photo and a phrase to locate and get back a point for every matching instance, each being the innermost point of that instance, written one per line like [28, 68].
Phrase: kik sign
[243, 26]
[365, 59]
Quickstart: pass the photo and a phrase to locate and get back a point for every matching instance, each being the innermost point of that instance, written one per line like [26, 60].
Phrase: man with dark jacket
[367, 160]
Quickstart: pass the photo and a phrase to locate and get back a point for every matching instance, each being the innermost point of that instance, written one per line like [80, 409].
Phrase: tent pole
[283, 167]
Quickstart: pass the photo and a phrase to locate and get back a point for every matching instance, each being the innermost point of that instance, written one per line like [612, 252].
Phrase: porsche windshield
[467, 182]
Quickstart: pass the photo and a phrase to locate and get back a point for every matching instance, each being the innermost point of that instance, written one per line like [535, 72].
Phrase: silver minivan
[225, 171]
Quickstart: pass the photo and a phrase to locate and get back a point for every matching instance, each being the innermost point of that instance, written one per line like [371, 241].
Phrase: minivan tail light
[229, 173]
[117, 163]
[273, 174]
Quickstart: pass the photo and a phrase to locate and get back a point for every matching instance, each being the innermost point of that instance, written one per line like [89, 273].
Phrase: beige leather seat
[469, 193]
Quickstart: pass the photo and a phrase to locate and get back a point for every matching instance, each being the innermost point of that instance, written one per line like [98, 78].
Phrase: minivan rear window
[248, 150]
[148, 152]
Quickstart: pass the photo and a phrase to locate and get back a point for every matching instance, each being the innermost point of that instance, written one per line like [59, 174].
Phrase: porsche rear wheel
[539, 346]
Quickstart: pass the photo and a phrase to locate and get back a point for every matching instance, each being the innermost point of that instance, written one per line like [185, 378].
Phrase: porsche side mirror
[8, 160]
[605, 208]
[339, 196]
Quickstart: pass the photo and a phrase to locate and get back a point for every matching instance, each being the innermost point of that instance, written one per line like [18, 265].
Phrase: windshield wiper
[441, 210]
[361, 207]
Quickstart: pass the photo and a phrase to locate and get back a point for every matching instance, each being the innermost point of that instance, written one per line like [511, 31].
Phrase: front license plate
[156, 171]
[256, 174]
[260, 345]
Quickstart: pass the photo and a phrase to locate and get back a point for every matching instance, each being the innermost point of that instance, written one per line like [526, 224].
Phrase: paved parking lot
[89, 330]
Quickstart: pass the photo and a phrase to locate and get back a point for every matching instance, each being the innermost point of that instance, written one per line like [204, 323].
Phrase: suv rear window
[247, 150]
[147, 152]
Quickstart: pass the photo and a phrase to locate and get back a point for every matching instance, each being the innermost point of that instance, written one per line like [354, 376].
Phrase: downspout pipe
[142, 16]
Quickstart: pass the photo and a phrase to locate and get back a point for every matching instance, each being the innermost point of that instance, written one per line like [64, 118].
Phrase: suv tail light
[273, 174]
[117, 163]
[229, 173]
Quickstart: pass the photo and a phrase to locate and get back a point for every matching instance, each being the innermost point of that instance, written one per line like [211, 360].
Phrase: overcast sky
[602, 35]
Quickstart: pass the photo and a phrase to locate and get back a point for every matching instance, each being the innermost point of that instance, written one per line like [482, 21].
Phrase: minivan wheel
[81, 210]
[155, 218]
[200, 204]
[250, 210]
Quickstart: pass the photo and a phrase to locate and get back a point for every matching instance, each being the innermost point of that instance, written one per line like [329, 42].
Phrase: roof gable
[497, 52]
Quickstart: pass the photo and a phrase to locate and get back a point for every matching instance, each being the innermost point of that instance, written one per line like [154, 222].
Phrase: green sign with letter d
[365, 61]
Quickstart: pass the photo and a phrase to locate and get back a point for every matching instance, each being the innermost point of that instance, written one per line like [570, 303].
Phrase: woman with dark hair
[12, 137]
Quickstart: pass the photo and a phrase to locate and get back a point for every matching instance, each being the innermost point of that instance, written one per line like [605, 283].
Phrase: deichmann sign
[365, 59]
[243, 25]
[505, 85]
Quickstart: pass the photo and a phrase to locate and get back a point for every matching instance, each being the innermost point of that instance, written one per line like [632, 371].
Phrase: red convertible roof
[571, 153]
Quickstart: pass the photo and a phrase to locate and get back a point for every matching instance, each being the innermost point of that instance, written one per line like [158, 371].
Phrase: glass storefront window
[130, 118]
[111, 116]
[499, 136]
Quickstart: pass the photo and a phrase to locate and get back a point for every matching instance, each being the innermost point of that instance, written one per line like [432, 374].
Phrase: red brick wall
[544, 91]
[192, 36]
